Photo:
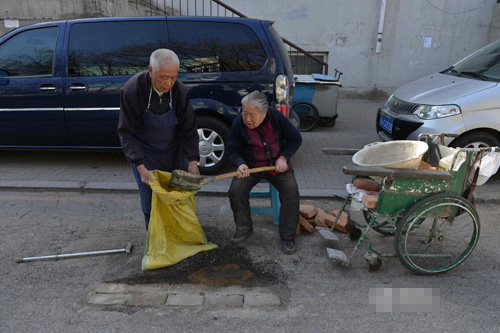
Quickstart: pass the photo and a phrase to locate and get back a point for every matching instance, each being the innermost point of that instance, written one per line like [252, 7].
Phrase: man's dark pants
[285, 183]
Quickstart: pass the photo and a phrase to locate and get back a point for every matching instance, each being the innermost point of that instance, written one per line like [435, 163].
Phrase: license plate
[385, 123]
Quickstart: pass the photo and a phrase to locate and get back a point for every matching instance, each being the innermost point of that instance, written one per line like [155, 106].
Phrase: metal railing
[218, 8]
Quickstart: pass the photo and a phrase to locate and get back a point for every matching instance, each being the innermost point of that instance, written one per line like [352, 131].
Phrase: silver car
[463, 99]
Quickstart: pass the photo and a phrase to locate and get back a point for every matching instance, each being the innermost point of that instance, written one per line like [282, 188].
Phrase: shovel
[191, 182]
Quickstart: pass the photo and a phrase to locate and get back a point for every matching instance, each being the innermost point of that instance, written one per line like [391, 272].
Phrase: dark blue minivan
[60, 81]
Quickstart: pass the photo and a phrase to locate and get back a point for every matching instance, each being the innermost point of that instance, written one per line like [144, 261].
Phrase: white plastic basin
[401, 154]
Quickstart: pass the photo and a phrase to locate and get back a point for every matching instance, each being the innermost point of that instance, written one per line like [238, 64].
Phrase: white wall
[347, 30]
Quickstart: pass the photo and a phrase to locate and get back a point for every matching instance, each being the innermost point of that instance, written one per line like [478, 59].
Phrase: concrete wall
[420, 36]
[347, 30]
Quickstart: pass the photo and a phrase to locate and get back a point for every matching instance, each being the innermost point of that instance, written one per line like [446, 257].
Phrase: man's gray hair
[257, 99]
[162, 57]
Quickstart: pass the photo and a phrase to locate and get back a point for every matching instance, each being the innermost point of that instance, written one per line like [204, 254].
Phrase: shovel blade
[337, 255]
[188, 181]
[327, 233]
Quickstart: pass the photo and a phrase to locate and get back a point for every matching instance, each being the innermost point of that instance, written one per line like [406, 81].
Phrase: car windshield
[484, 65]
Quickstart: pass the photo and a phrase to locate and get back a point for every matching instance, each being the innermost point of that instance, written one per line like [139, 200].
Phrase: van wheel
[475, 139]
[213, 134]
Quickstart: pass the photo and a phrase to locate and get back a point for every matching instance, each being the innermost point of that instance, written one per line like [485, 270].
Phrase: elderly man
[262, 136]
[157, 124]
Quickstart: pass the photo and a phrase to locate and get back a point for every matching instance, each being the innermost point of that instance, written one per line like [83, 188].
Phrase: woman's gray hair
[257, 99]
[162, 57]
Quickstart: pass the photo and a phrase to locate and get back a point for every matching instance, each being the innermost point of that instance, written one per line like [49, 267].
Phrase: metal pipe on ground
[127, 250]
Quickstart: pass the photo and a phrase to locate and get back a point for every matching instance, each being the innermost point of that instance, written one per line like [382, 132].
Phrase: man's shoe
[288, 246]
[240, 236]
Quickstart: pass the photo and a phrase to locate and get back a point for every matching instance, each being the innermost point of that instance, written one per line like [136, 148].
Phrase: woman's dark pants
[285, 183]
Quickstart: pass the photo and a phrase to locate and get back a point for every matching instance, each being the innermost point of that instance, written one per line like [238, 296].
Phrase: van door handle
[47, 88]
[78, 87]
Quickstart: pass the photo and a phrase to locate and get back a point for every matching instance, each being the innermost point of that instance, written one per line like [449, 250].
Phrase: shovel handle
[236, 173]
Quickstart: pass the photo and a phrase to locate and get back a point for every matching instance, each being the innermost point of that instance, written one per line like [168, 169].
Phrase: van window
[215, 47]
[285, 58]
[113, 48]
[29, 53]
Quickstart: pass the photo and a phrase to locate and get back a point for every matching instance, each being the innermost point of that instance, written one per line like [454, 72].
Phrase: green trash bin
[315, 100]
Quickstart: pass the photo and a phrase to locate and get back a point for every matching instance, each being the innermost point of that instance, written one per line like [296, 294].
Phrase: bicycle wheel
[385, 228]
[308, 115]
[437, 234]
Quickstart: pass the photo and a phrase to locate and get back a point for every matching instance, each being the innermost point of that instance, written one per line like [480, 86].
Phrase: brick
[148, 288]
[151, 299]
[312, 221]
[224, 300]
[262, 299]
[307, 211]
[306, 225]
[320, 218]
[425, 166]
[297, 229]
[341, 223]
[109, 299]
[112, 288]
[367, 184]
[370, 200]
[185, 300]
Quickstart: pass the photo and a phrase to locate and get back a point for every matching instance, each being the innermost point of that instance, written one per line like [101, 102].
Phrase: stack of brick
[371, 187]
[311, 216]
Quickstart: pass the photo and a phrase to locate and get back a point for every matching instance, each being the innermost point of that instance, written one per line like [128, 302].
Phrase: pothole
[221, 275]
[225, 266]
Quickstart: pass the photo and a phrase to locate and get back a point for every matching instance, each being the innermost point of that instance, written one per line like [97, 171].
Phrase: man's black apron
[161, 147]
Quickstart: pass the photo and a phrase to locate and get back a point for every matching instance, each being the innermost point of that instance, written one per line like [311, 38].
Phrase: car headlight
[387, 103]
[437, 111]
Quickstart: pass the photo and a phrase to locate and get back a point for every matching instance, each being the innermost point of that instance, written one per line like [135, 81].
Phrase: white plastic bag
[489, 166]
[357, 193]
[445, 162]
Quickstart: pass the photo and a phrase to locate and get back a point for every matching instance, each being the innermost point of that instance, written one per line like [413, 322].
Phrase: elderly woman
[262, 136]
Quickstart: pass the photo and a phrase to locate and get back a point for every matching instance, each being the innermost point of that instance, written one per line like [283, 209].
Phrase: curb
[483, 194]
[128, 187]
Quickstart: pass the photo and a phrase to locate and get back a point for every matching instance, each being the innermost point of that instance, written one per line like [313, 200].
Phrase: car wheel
[213, 134]
[476, 139]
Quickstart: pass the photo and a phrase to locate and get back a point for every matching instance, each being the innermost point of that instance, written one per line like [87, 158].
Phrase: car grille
[398, 106]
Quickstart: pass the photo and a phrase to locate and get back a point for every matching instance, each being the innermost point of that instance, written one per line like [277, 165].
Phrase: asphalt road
[318, 295]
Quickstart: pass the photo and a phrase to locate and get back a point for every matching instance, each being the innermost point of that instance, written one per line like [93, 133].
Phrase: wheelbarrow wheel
[373, 261]
[437, 234]
[308, 115]
[376, 266]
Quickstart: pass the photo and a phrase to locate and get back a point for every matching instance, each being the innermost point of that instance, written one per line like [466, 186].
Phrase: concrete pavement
[318, 175]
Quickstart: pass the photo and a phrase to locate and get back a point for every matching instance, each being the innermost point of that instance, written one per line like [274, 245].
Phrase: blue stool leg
[275, 203]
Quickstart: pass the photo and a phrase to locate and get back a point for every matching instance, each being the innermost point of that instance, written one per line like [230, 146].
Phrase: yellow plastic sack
[174, 232]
